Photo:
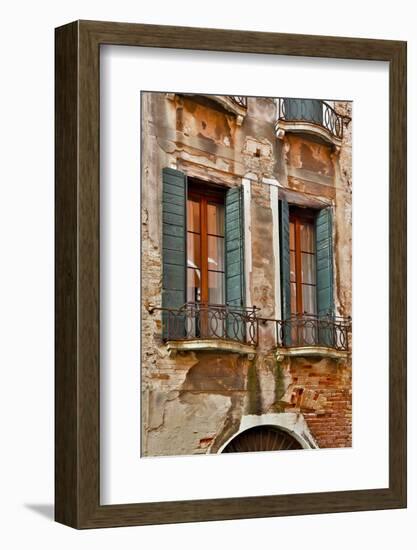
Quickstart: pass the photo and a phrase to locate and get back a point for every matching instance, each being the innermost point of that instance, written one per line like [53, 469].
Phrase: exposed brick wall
[321, 391]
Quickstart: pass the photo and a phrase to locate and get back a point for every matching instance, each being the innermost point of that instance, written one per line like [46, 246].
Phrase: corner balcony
[310, 116]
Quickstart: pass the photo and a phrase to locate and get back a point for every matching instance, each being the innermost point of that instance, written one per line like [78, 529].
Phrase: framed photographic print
[230, 274]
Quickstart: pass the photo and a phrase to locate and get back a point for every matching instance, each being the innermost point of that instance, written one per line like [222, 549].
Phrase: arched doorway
[262, 438]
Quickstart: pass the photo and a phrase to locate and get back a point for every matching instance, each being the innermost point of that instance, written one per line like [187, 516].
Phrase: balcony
[309, 116]
[197, 326]
[312, 335]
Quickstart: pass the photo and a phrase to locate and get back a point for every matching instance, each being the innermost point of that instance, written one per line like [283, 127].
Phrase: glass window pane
[216, 287]
[293, 276]
[292, 235]
[193, 250]
[309, 299]
[193, 216]
[215, 253]
[308, 268]
[215, 219]
[307, 237]
[293, 298]
[193, 285]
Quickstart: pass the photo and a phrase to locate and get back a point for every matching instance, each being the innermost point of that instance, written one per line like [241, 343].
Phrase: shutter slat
[173, 219]
[174, 257]
[174, 202]
[169, 198]
[173, 243]
[174, 230]
[173, 190]
[171, 208]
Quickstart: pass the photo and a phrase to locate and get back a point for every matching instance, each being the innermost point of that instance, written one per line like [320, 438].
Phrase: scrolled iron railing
[195, 321]
[311, 110]
[207, 321]
[240, 100]
[312, 330]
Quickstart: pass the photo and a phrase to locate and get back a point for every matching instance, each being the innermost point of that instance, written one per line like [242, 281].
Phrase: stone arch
[292, 426]
[262, 438]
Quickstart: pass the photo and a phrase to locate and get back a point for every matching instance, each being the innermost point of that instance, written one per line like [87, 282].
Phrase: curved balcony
[311, 116]
[313, 335]
[198, 326]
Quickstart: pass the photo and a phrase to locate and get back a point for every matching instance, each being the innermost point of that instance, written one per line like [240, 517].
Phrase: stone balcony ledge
[310, 351]
[305, 127]
[208, 344]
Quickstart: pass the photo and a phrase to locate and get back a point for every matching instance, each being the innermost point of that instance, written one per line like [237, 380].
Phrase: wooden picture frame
[77, 403]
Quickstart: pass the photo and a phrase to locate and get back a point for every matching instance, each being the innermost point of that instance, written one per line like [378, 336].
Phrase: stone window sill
[227, 346]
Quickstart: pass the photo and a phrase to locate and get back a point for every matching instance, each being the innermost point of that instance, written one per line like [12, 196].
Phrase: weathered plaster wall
[194, 402]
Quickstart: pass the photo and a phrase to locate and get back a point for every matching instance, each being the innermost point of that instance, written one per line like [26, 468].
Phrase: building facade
[246, 274]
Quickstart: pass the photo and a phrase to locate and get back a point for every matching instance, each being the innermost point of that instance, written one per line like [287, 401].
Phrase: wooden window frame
[296, 216]
[205, 194]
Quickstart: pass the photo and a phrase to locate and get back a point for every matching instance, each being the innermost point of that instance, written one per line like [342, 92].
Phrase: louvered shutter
[324, 259]
[174, 202]
[284, 219]
[235, 275]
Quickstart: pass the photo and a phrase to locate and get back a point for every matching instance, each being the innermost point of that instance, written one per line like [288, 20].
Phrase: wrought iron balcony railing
[310, 110]
[197, 321]
[310, 330]
[240, 100]
[205, 321]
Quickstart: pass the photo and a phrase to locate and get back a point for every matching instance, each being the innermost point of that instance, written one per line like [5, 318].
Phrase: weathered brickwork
[196, 401]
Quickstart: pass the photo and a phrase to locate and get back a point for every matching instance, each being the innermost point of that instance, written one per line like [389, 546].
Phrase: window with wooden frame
[205, 246]
[307, 290]
[303, 262]
[202, 253]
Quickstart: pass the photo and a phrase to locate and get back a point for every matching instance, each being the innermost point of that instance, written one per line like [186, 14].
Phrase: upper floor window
[203, 285]
[307, 276]
[303, 262]
[205, 247]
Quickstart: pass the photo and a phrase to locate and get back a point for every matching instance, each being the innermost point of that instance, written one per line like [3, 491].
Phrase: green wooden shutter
[310, 110]
[324, 259]
[235, 272]
[284, 234]
[174, 202]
